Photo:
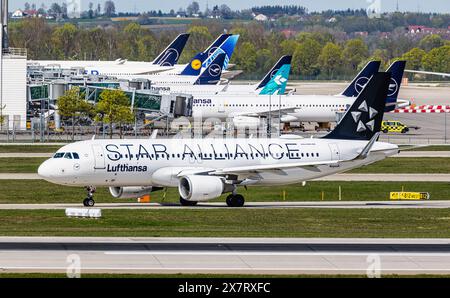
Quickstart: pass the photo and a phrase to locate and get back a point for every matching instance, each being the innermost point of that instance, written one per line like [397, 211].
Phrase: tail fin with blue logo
[171, 54]
[211, 75]
[361, 79]
[216, 44]
[396, 69]
[226, 47]
[363, 119]
[225, 43]
[275, 81]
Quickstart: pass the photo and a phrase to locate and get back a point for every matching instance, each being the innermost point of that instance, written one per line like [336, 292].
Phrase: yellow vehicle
[393, 126]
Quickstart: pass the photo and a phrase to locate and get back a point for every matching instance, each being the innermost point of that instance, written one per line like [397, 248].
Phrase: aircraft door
[99, 157]
[221, 107]
[335, 154]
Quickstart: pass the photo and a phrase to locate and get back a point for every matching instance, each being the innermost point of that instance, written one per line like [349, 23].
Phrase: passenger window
[75, 155]
[68, 155]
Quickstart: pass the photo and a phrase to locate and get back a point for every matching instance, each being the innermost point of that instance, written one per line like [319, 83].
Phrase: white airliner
[204, 169]
[164, 63]
[246, 109]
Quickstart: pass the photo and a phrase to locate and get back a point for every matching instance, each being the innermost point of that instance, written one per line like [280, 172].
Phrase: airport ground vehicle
[393, 126]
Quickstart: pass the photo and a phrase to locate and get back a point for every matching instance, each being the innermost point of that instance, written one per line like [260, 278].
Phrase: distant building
[332, 20]
[418, 29]
[18, 14]
[261, 18]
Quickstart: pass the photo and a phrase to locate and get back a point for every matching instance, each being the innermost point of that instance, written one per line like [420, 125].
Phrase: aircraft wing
[429, 72]
[273, 113]
[270, 167]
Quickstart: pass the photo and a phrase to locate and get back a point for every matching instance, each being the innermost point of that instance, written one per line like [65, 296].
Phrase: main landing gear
[184, 202]
[235, 200]
[89, 201]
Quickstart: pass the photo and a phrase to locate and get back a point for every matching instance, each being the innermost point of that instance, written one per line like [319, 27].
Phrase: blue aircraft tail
[361, 79]
[211, 75]
[363, 119]
[225, 43]
[216, 44]
[226, 47]
[170, 56]
[396, 69]
[276, 78]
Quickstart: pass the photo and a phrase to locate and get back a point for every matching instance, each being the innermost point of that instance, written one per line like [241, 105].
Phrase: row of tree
[113, 108]
[318, 53]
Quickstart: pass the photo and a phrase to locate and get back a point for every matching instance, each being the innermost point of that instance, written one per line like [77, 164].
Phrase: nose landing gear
[89, 201]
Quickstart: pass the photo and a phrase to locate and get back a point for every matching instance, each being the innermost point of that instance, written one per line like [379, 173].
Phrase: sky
[440, 6]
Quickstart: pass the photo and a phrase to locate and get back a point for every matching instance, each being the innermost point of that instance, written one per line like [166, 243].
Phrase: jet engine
[131, 192]
[200, 188]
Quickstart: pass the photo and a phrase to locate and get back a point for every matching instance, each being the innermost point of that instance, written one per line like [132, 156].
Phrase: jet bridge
[172, 105]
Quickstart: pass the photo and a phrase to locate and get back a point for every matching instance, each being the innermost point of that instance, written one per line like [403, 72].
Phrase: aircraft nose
[45, 170]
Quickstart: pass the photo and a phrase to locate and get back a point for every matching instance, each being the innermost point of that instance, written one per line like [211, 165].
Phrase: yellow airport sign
[404, 195]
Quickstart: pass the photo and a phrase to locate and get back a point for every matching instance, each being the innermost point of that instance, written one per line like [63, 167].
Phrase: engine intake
[200, 188]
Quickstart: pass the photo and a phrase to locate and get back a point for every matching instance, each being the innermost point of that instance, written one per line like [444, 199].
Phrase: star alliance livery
[204, 169]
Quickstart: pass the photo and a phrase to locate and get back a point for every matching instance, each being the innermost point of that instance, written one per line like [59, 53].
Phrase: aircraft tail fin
[211, 75]
[363, 119]
[396, 69]
[277, 85]
[226, 47]
[361, 79]
[194, 67]
[171, 54]
[285, 63]
[216, 44]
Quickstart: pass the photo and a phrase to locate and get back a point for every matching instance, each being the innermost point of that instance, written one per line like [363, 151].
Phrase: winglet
[365, 152]
[154, 134]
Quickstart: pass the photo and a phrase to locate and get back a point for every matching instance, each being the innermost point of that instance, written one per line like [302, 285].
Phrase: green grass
[20, 164]
[40, 192]
[411, 165]
[352, 223]
[29, 149]
[430, 148]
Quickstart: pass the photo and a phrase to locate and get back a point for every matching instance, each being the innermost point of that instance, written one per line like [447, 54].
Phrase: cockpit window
[75, 155]
[58, 155]
[68, 155]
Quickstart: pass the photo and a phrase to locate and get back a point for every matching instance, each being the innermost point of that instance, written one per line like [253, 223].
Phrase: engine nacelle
[130, 192]
[200, 188]
[245, 121]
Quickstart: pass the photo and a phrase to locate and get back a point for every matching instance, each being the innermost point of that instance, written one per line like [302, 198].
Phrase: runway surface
[249, 205]
[337, 177]
[233, 255]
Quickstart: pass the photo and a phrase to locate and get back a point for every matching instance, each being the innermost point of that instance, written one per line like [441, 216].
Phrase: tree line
[317, 53]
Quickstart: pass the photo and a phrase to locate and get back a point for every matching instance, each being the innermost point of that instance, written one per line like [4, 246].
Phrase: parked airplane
[193, 69]
[204, 169]
[245, 110]
[274, 82]
[224, 43]
[168, 57]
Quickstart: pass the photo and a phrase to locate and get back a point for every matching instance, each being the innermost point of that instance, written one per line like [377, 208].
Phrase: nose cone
[45, 170]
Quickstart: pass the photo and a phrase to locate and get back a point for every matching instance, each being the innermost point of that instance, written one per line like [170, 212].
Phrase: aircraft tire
[89, 202]
[235, 201]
